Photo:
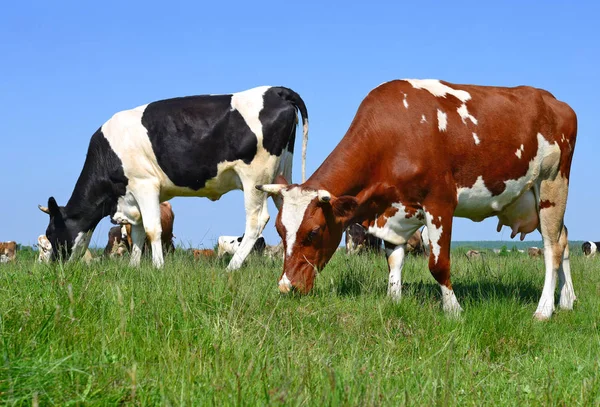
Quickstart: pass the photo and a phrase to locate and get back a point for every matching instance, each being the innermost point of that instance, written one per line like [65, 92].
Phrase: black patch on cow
[100, 184]
[279, 120]
[191, 135]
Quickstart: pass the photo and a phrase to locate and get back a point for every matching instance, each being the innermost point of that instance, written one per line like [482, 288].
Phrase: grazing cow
[191, 146]
[200, 254]
[358, 239]
[8, 251]
[117, 243]
[44, 249]
[535, 252]
[231, 244]
[590, 248]
[424, 151]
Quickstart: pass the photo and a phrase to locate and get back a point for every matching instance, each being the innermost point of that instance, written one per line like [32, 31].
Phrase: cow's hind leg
[257, 216]
[553, 198]
[439, 225]
[149, 204]
[395, 258]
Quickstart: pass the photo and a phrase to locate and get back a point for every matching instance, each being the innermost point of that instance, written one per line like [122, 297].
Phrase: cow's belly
[516, 209]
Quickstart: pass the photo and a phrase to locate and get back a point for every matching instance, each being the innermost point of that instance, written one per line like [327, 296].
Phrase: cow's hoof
[540, 316]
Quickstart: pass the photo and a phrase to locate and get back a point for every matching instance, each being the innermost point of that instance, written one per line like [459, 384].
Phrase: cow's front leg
[439, 225]
[138, 238]
[395, 259]
[257, 216]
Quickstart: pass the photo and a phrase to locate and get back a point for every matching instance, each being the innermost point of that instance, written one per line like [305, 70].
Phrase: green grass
[193, 334]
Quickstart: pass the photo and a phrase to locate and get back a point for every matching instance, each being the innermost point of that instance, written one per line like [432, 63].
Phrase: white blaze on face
[442, 120]
[285, 282]
[295, 202]
[435, 233]
[405, 102]
[477, 141]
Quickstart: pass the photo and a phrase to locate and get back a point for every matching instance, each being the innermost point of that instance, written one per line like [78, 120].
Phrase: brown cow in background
[8, 251]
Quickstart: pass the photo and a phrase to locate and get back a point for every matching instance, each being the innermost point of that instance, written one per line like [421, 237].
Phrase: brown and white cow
[424, 151]
[8, 251]
[117, 244]
[167, 218]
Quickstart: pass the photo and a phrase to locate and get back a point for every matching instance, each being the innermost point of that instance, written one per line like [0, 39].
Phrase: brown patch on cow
[546, 204]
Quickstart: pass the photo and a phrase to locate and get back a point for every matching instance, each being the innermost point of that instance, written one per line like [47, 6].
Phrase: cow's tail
[297, 101]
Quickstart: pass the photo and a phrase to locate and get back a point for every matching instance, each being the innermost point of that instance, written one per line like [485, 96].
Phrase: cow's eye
[313, 233]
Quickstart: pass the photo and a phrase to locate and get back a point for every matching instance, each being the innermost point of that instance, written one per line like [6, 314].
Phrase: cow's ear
[271, 189]
[53, 207]
[280, 179]
[344, 207]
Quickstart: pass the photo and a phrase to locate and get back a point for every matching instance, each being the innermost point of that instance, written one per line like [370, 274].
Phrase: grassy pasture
[193, 334]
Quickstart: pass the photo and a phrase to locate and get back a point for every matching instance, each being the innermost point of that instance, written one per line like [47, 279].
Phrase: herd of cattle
[417, 153]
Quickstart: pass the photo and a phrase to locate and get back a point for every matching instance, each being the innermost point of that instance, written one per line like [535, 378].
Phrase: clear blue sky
[66, 67]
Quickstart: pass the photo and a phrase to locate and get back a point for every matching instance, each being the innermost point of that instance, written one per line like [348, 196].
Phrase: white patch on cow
[442, 120]
[423, 119]
[477, 141]
[285, 283]
[449, 302]
[396, 229]
[464, 114]
[477, 203]
[520, 151]
[80, 245]
[295, 202]
[438, 89]
[404, 101]
[434, 233]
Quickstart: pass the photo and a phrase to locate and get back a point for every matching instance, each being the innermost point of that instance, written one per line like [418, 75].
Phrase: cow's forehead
[295, 203]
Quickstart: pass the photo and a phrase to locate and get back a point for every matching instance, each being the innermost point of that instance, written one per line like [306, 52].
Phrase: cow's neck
[351, 169]
[92, 199]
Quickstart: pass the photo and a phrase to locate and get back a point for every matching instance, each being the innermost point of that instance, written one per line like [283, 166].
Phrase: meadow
[193, 334]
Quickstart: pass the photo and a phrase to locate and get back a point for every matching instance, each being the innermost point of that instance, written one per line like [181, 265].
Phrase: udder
[520, 216]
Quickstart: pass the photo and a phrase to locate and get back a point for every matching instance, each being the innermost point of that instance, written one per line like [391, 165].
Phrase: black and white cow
[189, 146]
[590, 248]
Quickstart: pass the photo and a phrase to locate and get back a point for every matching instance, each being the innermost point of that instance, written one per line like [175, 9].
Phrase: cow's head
[67, 238]
[311, 223]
